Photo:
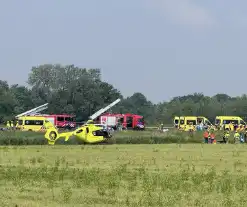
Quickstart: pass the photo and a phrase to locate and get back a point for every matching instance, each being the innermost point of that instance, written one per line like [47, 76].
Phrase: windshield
[191, 121]
[141, 120]
[217, 121]
[60, 118]
[176, 121]
[71, 119]
[242, 122]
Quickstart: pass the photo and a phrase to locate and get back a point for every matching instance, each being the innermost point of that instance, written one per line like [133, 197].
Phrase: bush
[155, 138]
[124, 137]
[27, 138]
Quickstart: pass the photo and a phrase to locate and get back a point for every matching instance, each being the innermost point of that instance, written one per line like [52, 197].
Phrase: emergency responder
[120, 126]
[231, 126]
[235, 126]
[236, 137]
[12, 125]
[8, 124]
[245, 135]
[241, 132]
[200, 126]
[212, 137]
[226, 136]
[191, 127]
[161, 127]
[206, 136]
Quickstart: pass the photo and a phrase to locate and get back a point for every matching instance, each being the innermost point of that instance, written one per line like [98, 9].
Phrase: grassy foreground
[124, 175]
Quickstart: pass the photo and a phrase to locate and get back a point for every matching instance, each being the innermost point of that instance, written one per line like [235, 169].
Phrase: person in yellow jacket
[236, 137]
[226, 136]
[189, 127]
[8, 124]
[231, 126]
[12, 124]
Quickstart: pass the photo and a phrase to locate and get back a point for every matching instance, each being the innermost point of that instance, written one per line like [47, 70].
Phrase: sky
[161, 48]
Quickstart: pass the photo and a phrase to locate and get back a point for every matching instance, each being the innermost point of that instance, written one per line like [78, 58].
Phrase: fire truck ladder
[101, 111]
[33, 111]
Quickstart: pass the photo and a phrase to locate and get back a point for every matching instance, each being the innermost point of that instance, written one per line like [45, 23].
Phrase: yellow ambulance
[33, 123]
[228, 122]
[185, 122]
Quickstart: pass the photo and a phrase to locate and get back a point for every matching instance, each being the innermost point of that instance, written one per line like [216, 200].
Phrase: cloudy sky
[162, 48]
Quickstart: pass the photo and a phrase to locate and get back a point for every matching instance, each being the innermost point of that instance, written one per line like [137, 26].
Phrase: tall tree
[71, 89]
[7, 102]
[80, 91]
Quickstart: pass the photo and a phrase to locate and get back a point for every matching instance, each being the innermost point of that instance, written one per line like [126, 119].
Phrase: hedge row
[128, 137]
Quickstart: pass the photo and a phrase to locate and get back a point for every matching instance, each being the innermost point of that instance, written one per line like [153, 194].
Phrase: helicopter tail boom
[52, 135]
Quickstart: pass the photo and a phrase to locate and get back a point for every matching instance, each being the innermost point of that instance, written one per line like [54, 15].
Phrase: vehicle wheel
[53, 135]
[30, 130]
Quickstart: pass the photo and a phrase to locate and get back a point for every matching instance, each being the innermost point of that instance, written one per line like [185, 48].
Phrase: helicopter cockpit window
[87, 130]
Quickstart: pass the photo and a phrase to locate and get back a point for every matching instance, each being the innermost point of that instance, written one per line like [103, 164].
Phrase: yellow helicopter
[88, 133]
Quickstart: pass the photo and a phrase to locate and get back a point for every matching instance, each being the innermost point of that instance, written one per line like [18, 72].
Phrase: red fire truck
[61, 120]
[128, 121]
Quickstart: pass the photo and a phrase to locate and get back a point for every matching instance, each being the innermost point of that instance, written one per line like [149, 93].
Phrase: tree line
[81, 92]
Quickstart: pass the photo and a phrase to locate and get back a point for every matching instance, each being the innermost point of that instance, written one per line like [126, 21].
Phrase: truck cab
[133, 121]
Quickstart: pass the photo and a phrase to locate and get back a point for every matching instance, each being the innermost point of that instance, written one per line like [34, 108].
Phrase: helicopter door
[86, 133]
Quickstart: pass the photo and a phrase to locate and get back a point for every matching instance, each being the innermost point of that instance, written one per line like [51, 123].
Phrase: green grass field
[124, 175]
